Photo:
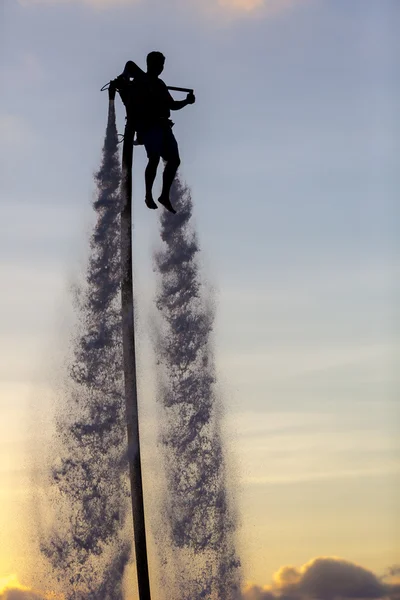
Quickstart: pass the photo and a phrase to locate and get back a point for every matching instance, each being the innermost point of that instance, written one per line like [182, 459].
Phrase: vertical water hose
[128, 333]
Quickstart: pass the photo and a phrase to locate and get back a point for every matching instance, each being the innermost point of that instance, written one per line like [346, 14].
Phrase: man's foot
[150, 202]
[165, 201]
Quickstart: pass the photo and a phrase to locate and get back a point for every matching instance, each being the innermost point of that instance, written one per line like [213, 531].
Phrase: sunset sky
[291, 152]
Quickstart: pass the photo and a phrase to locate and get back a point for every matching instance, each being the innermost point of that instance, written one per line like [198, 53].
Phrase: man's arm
[122, 83]
[123, 80]
[178, 104]
[132, 70]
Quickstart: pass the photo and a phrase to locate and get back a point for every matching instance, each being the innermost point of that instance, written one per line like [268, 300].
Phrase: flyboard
[129, 353]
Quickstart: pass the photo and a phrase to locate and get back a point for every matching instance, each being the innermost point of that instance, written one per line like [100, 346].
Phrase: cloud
[250, 6]
[242, 5]
[324, 579]
[269, 7]
[11, 589]
[19, 594]
[95, 4]
[330, 578]
[393, 571]
[255, 592]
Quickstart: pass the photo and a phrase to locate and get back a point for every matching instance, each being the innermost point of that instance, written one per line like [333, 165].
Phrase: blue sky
[291, 151]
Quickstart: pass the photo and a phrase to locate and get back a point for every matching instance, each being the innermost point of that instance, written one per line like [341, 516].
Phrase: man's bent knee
[154, 160]
[174, 161]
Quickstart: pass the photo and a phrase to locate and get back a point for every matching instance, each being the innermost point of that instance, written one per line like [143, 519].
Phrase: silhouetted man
[149, 104]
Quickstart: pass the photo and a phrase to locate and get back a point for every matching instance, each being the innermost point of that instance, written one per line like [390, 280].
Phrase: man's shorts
[160, 141]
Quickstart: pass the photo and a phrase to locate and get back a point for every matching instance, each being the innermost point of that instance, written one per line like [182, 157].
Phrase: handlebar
[170, 87]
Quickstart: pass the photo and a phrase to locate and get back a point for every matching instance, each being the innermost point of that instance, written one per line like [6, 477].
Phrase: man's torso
[148, 101]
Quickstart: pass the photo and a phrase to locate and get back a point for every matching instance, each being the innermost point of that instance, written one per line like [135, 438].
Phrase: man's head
[155, 63]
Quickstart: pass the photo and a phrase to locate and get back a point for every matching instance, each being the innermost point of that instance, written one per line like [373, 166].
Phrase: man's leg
[149, 176]
[170, 171]
[171, 155]
[152, 140]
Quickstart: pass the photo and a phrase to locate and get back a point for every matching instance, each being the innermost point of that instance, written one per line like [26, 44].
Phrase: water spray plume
[198, 509]
[87, 547]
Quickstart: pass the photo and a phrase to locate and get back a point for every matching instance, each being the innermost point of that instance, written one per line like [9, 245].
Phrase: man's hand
[190, 98]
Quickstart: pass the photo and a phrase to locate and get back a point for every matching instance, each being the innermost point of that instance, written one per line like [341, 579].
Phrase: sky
[291, 151]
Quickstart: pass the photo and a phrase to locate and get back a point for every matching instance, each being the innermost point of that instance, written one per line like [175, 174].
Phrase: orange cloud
[255, 592]
[11, 589]
[242, 5]
[287, 576]
[226, 6]
[249, 6]
[96, 4]
[329, 578]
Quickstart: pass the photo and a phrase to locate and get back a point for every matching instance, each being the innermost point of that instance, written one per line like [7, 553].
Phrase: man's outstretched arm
[178, 104]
